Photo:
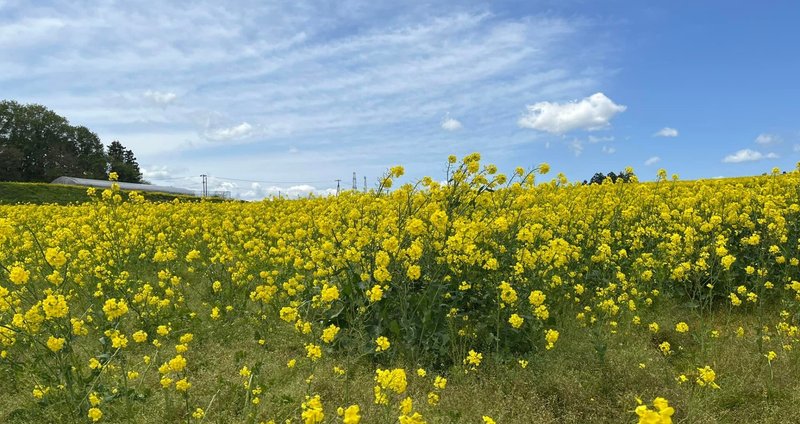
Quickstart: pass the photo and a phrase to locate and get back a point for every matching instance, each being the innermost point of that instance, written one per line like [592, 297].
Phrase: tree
[10, 163]
[130, 161]
[599, 177]
[91, 153]
[123, 162]
[36, 144]
[39, 134]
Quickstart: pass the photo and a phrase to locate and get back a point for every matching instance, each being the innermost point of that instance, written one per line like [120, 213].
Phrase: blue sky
[267, 96]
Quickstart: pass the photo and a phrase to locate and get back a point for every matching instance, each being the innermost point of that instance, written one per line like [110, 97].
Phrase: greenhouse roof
[122, 185]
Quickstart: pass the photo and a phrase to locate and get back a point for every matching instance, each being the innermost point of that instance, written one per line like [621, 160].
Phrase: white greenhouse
[85, 182]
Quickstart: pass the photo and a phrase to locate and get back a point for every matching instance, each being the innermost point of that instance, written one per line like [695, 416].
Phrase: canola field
[488, 298]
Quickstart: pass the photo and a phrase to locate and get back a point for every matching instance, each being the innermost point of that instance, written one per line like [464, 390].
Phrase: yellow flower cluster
[55, 306]
[443, 268]
[382, 344]
[115, 308]
[662, 414]
[394, 380]
[312, 410]
[707, 377]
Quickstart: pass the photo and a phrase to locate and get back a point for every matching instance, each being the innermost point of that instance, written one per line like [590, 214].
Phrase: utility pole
[355, 185]
[337, 186]
[205, 184]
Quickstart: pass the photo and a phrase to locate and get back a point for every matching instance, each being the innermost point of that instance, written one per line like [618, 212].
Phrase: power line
[268, 182]
[173, 178]
[206, 177]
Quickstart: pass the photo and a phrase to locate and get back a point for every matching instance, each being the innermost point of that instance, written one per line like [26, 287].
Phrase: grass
[42, 193]
[572, 383]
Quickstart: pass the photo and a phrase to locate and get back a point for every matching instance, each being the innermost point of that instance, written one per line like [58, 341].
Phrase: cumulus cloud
[451, 124]
[156, 172]
[748, 155]
[237, 131]
[590, 114]
[765, 139]
[652, 160]
[160, 97]
[258, 191]
[666, 132]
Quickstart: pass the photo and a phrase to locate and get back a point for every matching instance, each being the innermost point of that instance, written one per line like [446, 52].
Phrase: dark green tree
[91, 153]
[10, 163]
[123, 162]
[36, 144]
[39, 134]
[599, 177]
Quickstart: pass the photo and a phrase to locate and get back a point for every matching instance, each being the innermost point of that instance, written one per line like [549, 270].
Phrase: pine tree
[123, 162]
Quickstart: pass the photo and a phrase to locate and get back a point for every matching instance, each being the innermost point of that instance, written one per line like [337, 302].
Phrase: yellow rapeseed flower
[516, 321]
[551, 336]
[95, 414]
[55, 343]
[382, 344]
[114, 308]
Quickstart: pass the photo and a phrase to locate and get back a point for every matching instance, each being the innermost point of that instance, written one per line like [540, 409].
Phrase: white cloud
[797, 147]
[258, 191]
[748, 155]
[765, 139]
[156, 172]
[351, 85]
[235, 188]
[652, 160]
[608, 150]
[576, 146]
[451, 124]
[30, 30]
[151, 144]
[666, 132]
[591, 113]
[593, 139]
[160, 97]
[237, 131]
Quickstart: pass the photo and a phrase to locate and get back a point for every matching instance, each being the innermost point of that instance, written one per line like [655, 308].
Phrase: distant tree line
[599, 177]
[38, 145]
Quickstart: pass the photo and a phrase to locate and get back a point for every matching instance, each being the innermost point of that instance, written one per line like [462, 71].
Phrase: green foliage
[424, 325]
[38, 145]
[598, 178]
[123, 162]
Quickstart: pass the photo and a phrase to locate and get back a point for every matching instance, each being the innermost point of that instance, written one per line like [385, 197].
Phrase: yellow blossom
[95, 414]
[382, 344]
[551, 336]
[55, 343]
